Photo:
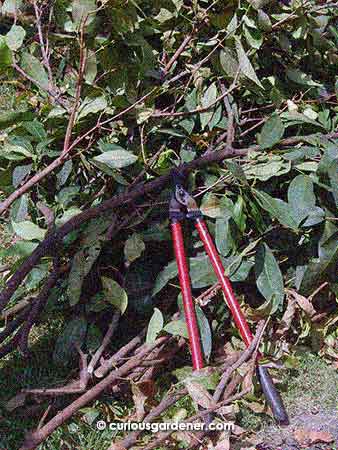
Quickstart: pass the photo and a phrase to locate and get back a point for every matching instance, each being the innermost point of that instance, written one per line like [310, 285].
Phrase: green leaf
[254, 37]
[21, 249]
[15, 37]
[34, 68]
[28, 230]
[187, 155]
[72, 335]
[307, 166]
[20, 173]
[67, 215]
[35, 277]
[11, 7]
[8, 118]
[224, 238]
[64, 173]
[19, 209]
[182, 372]
[205, 332]
[92, 106]
[208, 377]
[229, 62]
[333, 176]
[294, 118]
[14, 152]
[277, 208]
[81, 265]
[325, 266]
[133, 247]
[237, 171]
[203, 326]
[164, 15]
[155, 326]
[115, 294]
[201, 272]
[36, 129]
[5, 54]
[166, 274]
[269, 278]
[143, 114]
[233, 24]
[264, 21]
[239, 215]
[245, 64]
[302, 200]
[81, 10]
[272, 132]
[214, 206]
[177, 328]
[274, 166]
[91, 67]
[299, 77]
[208, 99]
[116, 159]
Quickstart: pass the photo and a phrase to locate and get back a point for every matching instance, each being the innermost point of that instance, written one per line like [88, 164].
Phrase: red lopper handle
[216, 262]
[188, 304]
[270, 392]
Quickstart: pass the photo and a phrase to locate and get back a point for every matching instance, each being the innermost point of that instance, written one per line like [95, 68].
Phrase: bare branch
[32, 440]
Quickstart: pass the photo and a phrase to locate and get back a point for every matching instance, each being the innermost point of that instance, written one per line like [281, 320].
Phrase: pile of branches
[138, 363]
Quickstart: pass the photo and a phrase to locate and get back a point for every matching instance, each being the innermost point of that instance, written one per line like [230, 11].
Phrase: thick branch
[108, 364]
[32, 440]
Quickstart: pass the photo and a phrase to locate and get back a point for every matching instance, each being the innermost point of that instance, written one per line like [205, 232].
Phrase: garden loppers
[183, 206]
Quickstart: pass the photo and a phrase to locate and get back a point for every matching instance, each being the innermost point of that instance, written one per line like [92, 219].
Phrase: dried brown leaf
[255, 407]
[141, 392]
[304, 304]
[287, 318]
[117, 447]
[228, 411]
[238, 431]
[16, 401]
[184, 436]
[307, 437]
[224, 444]
[199, 394]
[247, 383]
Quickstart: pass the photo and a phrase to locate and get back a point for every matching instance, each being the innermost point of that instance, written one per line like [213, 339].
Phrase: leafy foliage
[107, 101]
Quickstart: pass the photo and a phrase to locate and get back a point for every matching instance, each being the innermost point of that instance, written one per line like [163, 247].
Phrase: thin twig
[82, 66]
[244, 357]
[111, 329]
[230, 113]
[197, 110]
[43, 46]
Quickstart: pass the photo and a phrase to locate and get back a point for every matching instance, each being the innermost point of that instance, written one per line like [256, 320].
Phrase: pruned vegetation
[100, 101]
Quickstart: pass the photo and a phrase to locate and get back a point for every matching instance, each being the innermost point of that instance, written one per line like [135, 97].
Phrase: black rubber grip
[272, 395]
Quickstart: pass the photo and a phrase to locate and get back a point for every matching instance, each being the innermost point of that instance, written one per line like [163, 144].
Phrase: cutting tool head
[185, 199]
